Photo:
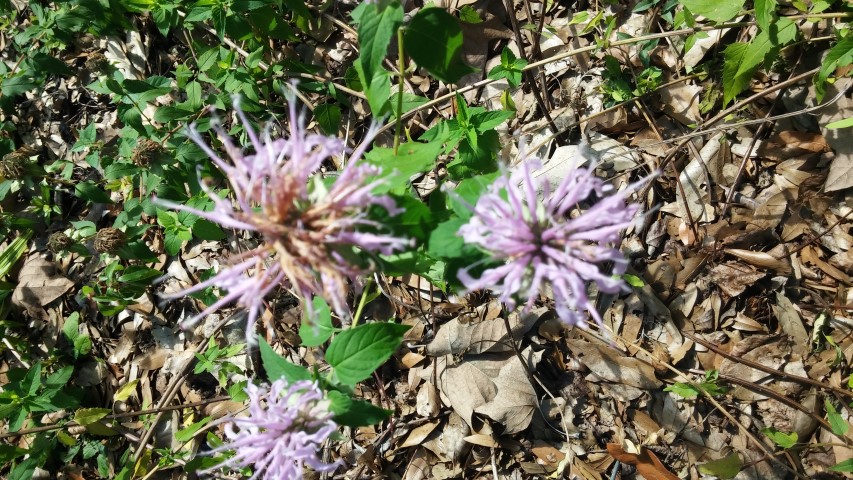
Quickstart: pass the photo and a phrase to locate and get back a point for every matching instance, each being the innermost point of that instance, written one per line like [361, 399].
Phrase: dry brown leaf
[647, 463]
[734, 278]
[418, 434]
[612, 366]
[38, 284]
[772, 351]
[761, 259]
[841, 169]
[455, 336]
[811, 255]
[791, 322]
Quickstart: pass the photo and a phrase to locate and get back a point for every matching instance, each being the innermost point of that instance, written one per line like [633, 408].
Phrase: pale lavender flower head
[539, 242]
[282, 433]
[310, 228]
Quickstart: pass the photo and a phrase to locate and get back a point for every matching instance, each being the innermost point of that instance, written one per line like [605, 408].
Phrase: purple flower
[310, 228]
[282, 433]
[540, 242]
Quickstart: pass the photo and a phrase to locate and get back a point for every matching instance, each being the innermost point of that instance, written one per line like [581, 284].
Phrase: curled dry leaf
[647, 463]
[455, 336]
[612, 366]
[734, 278]
[38, 284]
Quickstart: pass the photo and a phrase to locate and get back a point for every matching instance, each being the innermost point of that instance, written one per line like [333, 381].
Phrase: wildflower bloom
[539, 243]
[282, 433]
[311, 229]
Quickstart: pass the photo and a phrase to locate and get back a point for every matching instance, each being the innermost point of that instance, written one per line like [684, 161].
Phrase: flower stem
[362, 302]
[401, 59]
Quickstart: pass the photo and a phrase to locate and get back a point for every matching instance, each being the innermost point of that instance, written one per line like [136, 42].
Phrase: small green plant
[708, 385]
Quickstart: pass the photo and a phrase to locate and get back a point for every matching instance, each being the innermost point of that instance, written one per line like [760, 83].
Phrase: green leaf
[684, 390]
[846, 123]
[715, 10]
[60, 377]
[31, 382]
[10, 452]
[138, 273]
[836, 421]
[10, 256]
[838, 56]
[412, 158]
[355, 413]
[784, 440]
[186, 434]
[376, 26]
[845, 466]
[71, 326]
[88, 416]
[91, 192]
[434, 41]
[724, 468]
[328, 116]
[277, 367]
[444, 242]
[742, 60]
[764, 13]
[634, 280]
[316, 333]
[204, 229]
[355, 353]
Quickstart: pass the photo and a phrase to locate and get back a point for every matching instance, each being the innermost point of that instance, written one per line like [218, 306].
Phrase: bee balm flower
[538, 243]
[311, 228]
[282, 433]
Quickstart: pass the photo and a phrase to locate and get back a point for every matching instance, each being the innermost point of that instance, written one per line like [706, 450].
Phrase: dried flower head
[14, 164]
[539, 243]
[109, 240]
[146, 151]
[58, 242]
[312, 228]
[282, 433]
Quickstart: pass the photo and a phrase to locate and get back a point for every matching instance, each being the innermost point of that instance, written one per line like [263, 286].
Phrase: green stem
[401, 65]
[361, 303]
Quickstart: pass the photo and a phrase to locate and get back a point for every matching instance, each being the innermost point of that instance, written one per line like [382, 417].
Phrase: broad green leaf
[444, 242]
[633, 280]
[684, 390]
[412, 158]
[434, 40]
[71, 326]
[836, 421]
[742, 60]
[715, 10]
[138, 273]
[321, 329]
[88, 416]
[764, 13]
[278, 368]
[724, 468]
[467, 192]
[60, 377]
[91, 192]
[838, 56]
[784, 440]
[355, 353]
[10, 452]
[328, 116]
[376, 25]
[125, 391]
[733, 84]
[32, 379]
[355, 413]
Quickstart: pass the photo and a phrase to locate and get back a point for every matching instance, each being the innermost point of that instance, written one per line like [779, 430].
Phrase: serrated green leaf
[724, 468]
[444, 242]
[715, 10]
[376, 26]
[321, 329]
[328, 116]
[411, 158]
[434, 41]
[355, 353]
[71, 326]
[742, 60]
[91, 192]
[88, 416]
[732, 83]
[355, 413]
[60, 377]
[764, 13]
[277, 367]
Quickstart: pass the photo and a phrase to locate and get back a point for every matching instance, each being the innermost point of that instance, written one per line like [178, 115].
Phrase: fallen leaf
[38, 284]
[609, 364]
[724, 468]
[734, 278]
[647, 463]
